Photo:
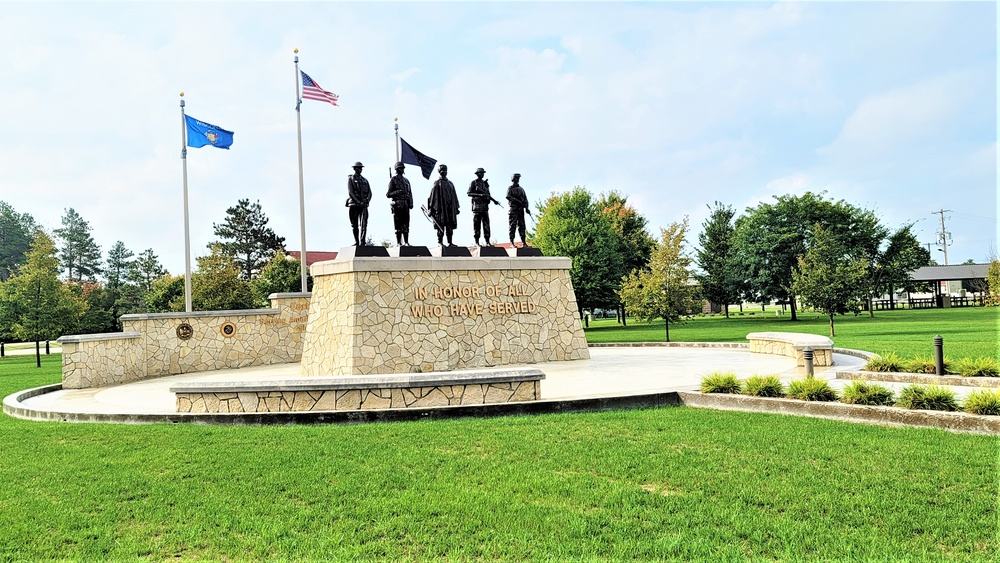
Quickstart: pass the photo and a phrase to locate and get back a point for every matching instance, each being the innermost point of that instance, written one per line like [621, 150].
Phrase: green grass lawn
[648, 484]
[967, 332]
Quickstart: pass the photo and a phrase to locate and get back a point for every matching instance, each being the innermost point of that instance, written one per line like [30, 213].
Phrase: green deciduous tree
[16, 232]
[166, 294]
[245, 237]
[217, 285]
[280, 275]
[829, 278]
[569, 224]
[892, 266]
[721, 279]
[771, 237]
[634, 241]
[42, 307]
[664, 291]
[79, 255]
[993, 283]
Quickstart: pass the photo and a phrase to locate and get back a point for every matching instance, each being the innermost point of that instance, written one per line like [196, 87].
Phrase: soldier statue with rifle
[479, 191]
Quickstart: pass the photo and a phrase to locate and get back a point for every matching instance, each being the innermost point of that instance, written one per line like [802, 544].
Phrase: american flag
[312, 91]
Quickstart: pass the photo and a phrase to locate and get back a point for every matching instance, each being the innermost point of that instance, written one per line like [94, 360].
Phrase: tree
[771, 237]
[41, 306]
[721, 280]
[217, 285]
[893, 266]
[569, 224]
[166, 294]
[122, 297]
[79, 254]
[664, 291]
[246, 238]
[280, 275]
[829, 278]
[993, 283]
[16, 232]
[96, 317]
[634, 241]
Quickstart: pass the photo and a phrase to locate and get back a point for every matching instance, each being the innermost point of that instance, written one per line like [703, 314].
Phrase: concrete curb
[900, 377]
[13, 406]
[742, 345]
[885, 416]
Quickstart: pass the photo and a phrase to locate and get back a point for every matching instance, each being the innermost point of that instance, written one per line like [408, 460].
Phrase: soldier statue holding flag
[359, 193]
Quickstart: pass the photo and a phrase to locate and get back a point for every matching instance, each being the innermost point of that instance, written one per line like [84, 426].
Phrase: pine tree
[79, 255]
[720, 281]
[146, 269]
[246, 238]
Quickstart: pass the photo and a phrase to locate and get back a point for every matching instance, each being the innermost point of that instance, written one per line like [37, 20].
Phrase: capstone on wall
[378, 316]
[151, 345]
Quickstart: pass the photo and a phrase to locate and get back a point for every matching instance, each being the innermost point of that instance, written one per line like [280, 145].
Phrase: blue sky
[890, 106]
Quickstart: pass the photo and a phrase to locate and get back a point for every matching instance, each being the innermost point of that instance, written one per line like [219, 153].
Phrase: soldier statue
[402, 202]
[443, 206]
[359, 193]
[479, 191]
[518, 205]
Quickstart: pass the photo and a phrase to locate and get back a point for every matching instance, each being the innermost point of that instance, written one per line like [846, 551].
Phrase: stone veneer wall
[357, 399]
[149, 346]
[822, 355]
[397, 315]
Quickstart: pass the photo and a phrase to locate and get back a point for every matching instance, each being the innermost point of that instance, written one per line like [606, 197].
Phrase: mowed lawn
[967, 332]
[645, 484]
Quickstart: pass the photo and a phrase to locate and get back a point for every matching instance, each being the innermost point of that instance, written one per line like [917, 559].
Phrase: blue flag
[200, 134]
[410, 155]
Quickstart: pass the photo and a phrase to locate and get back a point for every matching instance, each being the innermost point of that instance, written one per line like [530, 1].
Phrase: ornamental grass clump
[927, 397]
[763, 386]
[811, 389]
[720, 382]
[983, 366]
[864, 393]
[890, 361]
[986, 401]
[923, 364]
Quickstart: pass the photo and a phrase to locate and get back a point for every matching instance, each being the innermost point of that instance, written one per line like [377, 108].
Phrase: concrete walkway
[613, 371]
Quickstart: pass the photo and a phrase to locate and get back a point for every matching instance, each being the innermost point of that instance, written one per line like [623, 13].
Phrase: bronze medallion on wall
[228, 330]
[184, 331]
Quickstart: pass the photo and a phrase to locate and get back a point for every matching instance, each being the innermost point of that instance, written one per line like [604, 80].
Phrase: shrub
[811, 389]
[986, 401]
[720, 382]
[763, 386]
[889, 361]
[922, 364]
[984, 366]
[927, 397]
[864, 393]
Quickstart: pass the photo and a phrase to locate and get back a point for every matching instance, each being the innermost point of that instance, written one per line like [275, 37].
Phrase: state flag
[200, 134]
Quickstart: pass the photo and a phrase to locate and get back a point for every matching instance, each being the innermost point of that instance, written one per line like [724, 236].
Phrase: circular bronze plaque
[228, 330]
[184, 331]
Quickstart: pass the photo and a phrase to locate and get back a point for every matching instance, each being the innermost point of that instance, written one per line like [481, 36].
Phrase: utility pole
[944, 237]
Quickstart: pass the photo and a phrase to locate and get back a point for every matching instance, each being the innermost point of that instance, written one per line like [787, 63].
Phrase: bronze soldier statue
[518, 205]
[479, 191]
[359, 193]
[402, 202]
[443, 206]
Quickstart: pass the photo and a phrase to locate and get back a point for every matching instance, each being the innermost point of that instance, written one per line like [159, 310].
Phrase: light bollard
[939, 355]
[807, 358]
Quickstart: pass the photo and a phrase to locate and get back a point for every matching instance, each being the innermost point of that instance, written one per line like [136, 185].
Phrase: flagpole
[395, 125]
[187, 229]
[302, 199]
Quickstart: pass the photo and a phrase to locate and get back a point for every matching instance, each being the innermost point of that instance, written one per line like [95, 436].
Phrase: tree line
[828, 254]
[61, 283]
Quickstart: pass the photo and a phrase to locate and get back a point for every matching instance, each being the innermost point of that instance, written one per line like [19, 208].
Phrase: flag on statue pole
[410, 155]
[312, 91]
[200, 134]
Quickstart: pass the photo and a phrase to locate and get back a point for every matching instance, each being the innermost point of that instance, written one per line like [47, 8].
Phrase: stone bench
[339, 393]
[792, 344]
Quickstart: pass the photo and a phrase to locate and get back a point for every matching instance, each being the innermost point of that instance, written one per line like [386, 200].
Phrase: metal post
[939, 355]
[807, 358]
[395, 126]
[46, 347]
[302, 197]
[187, 228]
